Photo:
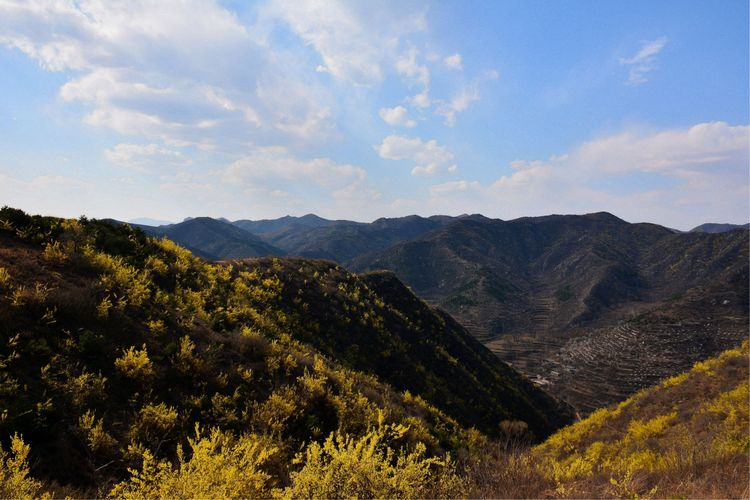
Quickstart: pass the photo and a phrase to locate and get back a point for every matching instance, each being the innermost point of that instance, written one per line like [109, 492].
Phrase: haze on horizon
[359, 110]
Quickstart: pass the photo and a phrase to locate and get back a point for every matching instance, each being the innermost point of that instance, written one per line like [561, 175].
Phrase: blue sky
[360, 109]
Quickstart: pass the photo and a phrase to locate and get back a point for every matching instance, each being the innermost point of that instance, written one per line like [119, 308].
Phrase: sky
[360, 110]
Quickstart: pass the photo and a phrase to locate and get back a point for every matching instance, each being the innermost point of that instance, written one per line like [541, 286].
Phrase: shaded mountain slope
[501, 276]
[122, 343]
[344, 240]
[214, 239]
[556, 295]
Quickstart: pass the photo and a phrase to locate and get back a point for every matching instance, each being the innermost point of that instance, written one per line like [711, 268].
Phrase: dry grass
[516, 474]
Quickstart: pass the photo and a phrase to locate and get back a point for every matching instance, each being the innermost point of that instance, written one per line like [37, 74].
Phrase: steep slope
[718, 228]
[556, 295]
[214, 239]
[409, 345]
[122, 344]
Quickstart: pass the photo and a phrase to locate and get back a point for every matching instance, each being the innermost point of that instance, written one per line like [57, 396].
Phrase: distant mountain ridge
[718, 228]
[147, 221]
[307, 236]
[265, 226]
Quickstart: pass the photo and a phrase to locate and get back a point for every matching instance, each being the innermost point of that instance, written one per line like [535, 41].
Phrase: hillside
[123, 343]
[686, 437]
[556, 295]
[214, 239]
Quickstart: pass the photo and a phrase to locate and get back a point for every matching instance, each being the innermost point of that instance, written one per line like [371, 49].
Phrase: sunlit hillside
[687, 437]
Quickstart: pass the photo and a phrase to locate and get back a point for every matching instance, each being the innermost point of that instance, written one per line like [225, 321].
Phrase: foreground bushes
[219, 466]
[368, 467]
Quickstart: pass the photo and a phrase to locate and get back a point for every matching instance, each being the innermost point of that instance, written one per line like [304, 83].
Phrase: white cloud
[674, 174]
[270, 179]
[453, 186]
[48, 194]
[141, 68]
[142, 156]
[421, 100]
[461, 100]
[458, 103]
[453, 62]
[277, 163]
[429, 157]
[354, 40]
[674, 151]
[335, 31]
[644, 61]
[397, 117]
[408, 67]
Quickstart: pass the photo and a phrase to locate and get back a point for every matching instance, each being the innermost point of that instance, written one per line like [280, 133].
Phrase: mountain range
[551, 295]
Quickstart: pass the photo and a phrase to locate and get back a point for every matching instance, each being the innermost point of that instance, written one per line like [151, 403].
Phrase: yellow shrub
[55, 253]
[345, 467]
[154, 423]
[85, 387]
[219, 467]
[156, 327]
[639, 431]
[14, 472]
[4, 279]
[97, 438]
[185, 359]
[120, 278]
[103, 308]
[135, 364]
[273, 413]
